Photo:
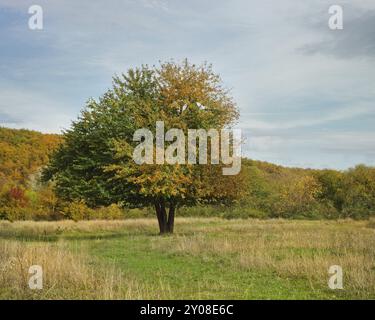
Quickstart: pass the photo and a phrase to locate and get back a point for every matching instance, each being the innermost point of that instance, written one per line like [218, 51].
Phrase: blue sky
[306, 93]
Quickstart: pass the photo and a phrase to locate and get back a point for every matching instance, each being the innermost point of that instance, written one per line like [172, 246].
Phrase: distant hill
[271, 190]
[23, 152]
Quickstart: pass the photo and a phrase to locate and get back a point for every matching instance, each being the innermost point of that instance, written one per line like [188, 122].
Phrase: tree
[95, 161]
[298, 195]
[333, 188]
[359, 192]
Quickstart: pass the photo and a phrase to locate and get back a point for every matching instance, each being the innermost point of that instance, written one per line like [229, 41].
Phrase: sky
[306, 93]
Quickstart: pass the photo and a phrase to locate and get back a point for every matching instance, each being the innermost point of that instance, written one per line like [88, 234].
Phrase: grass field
[206, 258]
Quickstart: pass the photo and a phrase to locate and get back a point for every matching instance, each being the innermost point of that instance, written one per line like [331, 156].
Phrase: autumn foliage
[95, 162]
[270, 191]
[88, 172]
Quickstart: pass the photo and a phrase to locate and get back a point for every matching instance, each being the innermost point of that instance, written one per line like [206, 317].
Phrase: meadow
[206, 258]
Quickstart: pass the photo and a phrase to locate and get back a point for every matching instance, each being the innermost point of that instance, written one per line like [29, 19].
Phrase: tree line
[88, 172]
[271, 191]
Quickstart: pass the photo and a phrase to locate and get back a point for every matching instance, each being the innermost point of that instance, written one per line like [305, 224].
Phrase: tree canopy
[95, 161]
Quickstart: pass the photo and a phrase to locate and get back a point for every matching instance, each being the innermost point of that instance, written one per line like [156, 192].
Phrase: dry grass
[65, 275]
[299, 249]
[289, 249]
[53, 228]
[68, 272]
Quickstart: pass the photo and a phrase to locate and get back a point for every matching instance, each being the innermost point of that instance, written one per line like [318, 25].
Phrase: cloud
[340, 150]
[23, 109]
[306, 120]
[302, 88]
[356, 39]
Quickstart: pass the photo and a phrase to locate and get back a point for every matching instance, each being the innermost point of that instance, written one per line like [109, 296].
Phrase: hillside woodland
[271, 191]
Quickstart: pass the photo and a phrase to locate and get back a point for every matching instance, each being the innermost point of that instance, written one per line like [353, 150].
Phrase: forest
[271, 191]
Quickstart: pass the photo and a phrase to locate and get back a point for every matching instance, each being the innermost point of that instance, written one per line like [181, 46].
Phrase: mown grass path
[175, 276]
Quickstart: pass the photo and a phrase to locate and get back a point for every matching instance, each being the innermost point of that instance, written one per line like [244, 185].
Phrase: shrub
[13, 213]
[244, 213]
[77, 210]
[111, 212]
[139, 213]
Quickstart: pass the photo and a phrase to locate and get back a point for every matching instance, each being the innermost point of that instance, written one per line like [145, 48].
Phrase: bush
[13, 213]
[244, 213]
[77, 210]
[238, 212]
[139, 213]
[200, 211]
[111, 212]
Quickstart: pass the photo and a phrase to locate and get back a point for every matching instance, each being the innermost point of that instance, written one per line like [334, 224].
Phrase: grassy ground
[206, 258]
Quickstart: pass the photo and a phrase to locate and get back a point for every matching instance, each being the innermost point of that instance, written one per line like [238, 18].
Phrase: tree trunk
[170, 223]
[162, 217]
[166, 223]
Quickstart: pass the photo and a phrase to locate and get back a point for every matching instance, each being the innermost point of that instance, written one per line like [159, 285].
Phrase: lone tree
[95, 163]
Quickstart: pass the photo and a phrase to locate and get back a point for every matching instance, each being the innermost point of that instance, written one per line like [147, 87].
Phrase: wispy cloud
[307, 119]
[302, 88]
[24, 109]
